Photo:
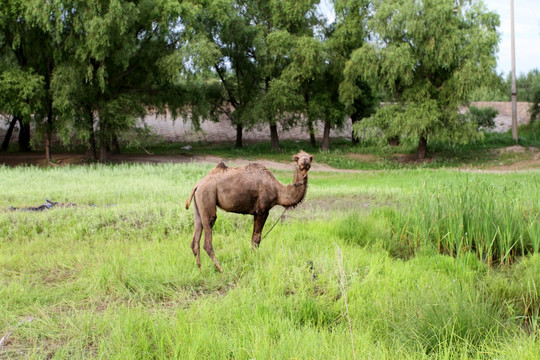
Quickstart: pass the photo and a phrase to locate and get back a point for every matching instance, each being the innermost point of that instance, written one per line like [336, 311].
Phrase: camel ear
[295, 158]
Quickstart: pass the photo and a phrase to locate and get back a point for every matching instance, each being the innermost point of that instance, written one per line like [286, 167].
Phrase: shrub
[484, 117]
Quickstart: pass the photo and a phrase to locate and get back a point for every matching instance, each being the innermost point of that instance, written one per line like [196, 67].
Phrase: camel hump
[254, 167]
[221, 166]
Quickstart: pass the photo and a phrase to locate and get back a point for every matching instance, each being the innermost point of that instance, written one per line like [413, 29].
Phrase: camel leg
[208, 223]
[258, 224]
[197, 231]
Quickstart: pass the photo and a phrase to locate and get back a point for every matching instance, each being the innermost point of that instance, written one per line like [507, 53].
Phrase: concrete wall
[223, 131]
[503, 121]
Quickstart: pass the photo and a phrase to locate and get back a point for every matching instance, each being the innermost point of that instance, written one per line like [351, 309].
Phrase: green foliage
[494, 89]
[527, 85]
[429, 63]
[496, 222]
[114, 277]
[483, 117]
[518, 289]
[533, 95]
[21, 92]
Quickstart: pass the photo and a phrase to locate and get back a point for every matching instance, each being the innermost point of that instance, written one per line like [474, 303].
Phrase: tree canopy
[428, 55]
[87, 70]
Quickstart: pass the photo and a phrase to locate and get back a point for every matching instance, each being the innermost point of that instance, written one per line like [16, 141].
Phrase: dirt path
[16, 159]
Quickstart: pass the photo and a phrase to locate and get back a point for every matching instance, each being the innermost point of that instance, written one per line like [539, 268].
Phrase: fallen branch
[5, 337]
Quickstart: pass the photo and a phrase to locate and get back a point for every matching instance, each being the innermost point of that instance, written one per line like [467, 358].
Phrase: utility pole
[514, 90]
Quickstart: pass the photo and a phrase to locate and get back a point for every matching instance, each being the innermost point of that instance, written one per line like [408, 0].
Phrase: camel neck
[293, 194]
[299, 176]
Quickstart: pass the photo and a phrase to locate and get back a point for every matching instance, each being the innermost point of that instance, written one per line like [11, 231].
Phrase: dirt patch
[411, 159]
[369, 158]
[511, 150]
[37, 159]
[17, 159]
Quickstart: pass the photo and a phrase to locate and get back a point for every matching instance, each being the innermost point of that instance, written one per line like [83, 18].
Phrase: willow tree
[115, 60]
[26, 63]
[276, 23]
[348, 33]
[428, 55]
[225, 56]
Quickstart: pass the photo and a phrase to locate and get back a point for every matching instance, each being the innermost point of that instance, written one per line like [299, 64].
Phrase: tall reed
[497, 221]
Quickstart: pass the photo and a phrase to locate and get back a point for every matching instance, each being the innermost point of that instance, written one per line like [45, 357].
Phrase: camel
[250, 189]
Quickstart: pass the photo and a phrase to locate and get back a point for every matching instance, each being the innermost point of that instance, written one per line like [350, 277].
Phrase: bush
[484, 117]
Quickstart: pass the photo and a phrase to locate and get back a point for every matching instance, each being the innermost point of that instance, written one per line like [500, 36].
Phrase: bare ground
[532, 160]
[17, 159]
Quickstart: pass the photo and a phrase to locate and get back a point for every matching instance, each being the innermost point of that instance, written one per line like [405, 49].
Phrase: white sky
[527, 32]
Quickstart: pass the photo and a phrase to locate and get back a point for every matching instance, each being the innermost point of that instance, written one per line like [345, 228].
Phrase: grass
[368, 156]
[114, 276]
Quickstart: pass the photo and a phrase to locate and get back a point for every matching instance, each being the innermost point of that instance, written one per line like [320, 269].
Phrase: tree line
[86, 70]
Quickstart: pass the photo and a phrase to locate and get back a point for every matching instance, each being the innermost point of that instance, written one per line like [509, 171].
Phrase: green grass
[368, 156]
[114, 276]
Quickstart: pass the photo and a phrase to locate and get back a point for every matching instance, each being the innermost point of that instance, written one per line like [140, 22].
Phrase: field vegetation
[431, 264]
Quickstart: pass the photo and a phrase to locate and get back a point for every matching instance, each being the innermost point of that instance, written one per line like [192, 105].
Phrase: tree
[20, 94]
[116, 59]
[26, 65]
[429, 55]
[348, 33]
[277, 23]
[225, 51]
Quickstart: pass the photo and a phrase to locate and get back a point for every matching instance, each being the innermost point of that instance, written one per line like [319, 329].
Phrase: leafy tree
[298, 90]
[429, 55]
[277, 24]
[20, 94]
[115, 60]
[526, 85]
[226, 53]
[528, 89]
[348, 33]
[26, 65]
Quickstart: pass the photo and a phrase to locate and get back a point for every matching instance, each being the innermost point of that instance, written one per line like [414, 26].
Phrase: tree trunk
[48, 134]
[312, 139]
[91, 150]
[422, 147]
[274, 139]
[239, 130]
[394, 141]
[354, 119]
[115, 144]
[103, 151]
[24, 136]
[326, 136]
[47, 147]
[7, 138]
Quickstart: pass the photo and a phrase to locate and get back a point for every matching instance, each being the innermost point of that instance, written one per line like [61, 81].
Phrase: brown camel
[250, 189]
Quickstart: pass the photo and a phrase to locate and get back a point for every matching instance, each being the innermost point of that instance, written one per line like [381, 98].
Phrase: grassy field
[430, 264]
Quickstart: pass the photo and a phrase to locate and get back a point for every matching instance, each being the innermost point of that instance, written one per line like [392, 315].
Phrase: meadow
[405, 263]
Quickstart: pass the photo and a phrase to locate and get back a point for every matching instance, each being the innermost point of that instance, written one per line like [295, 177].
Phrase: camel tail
[188, 201]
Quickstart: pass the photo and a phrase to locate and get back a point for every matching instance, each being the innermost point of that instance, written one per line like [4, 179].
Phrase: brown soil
[363, 157]
[17, 159]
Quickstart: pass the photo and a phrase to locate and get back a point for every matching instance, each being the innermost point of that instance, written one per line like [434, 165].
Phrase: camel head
[303, 161]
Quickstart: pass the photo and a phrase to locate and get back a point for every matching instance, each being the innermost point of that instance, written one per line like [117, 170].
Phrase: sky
[527, 34]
